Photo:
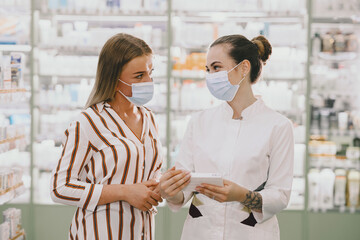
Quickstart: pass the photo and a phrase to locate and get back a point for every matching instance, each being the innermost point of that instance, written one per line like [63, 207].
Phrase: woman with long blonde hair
[112, 153]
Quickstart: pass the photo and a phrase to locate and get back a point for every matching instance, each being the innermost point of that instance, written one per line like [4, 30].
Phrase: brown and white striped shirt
[100, 149]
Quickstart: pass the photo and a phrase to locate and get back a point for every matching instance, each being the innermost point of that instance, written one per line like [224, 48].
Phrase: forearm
[113, 193]
[177, 199]
[251, 199]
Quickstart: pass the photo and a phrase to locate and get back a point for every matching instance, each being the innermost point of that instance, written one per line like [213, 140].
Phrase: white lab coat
[257, 149]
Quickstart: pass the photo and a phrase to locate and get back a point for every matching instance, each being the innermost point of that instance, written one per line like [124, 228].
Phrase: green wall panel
[52, 222]
[333, 226]
[291, 225]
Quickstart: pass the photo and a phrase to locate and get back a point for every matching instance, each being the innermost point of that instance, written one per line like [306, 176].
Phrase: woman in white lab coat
[249, 144]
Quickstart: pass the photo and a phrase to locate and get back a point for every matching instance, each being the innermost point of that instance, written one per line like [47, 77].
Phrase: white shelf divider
[14, 48]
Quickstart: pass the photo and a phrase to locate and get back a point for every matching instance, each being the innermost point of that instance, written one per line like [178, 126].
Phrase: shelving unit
[334, 90]
[288, 69]
[319, 19]
[15, 108]
[61, 92]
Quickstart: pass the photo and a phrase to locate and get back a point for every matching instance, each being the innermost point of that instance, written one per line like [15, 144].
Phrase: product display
[10, 178]
[334, 153]
[11, 227]
[344, 8]
[15, 114]
[240, 5]
[14, 28]
[68, 42]
[11, 71]
[339, 168]
[102, 6]
[312, 77]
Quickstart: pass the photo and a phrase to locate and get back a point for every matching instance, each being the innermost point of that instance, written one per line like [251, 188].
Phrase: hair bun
[264, 47]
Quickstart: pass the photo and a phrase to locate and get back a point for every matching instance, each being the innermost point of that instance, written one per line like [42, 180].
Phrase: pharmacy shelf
[65, 78]
[336, 93]
[336, 210]
[76, 50]
[336, 132]
[249, 13]
[107, 18]
[14, 90]
[239, 19]
[223, 16]
[9, 107]
[11, 193]
[113, 12]
[83, 50]
[11, 140]
[19, 235]
[52, 108]
[14, 48]
[57, 79]
[336, 20]
[338, 56]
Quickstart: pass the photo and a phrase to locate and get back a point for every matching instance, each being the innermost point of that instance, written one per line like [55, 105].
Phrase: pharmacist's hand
[173, 181]
[228, 193]
[154, 185]
[141, 196]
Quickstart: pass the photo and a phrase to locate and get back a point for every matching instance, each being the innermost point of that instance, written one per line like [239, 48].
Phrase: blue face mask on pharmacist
[219, 85]
[142, 93]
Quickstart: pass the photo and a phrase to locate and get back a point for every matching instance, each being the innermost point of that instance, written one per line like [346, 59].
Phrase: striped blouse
[99, 149]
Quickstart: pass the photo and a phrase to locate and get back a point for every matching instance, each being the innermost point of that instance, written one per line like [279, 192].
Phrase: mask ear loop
[127, 85]
[124, 82]
[243, 75]
[242, 79]
[235, 67]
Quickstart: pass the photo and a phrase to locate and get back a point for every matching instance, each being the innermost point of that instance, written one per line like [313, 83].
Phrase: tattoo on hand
[253, 200]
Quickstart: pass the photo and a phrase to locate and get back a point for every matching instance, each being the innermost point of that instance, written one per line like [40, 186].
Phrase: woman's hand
[142, 195]
[228, 193]
[232, 192]
[173, 181]
[153, 185]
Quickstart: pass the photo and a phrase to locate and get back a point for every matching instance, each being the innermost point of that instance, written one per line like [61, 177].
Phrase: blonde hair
[115, 54]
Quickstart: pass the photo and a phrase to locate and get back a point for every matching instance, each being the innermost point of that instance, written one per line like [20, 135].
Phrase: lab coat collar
[247, 112]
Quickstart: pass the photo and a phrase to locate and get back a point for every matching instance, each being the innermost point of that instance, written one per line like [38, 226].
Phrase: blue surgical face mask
[142, 93]
[219, 85]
